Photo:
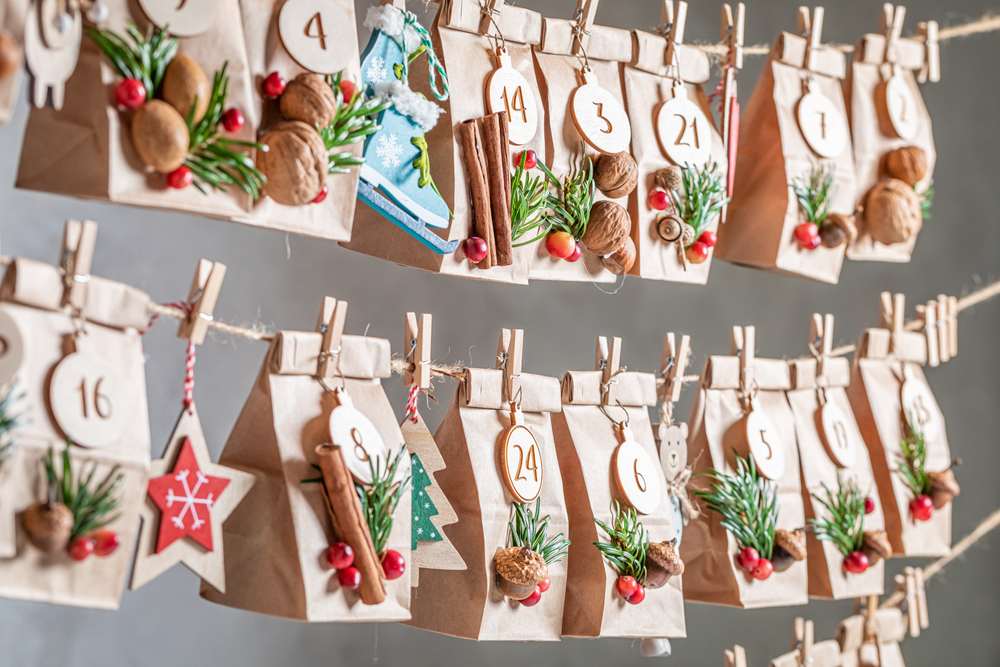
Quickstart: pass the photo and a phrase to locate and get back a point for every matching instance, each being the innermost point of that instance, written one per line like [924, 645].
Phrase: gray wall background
[279, 281]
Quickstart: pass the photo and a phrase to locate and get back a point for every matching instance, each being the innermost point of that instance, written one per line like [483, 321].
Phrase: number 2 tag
[507, 90]
[822, 124]
[359, 441]
[521, 461]
[599, 117]
[683, 130]
[637, 475]
[89, 400]
[765, 445]
[308, 29]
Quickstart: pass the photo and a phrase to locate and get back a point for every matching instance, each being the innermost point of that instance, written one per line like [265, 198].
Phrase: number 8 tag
[521, 461]
[89, 400]
[359, 441]
[637, 475]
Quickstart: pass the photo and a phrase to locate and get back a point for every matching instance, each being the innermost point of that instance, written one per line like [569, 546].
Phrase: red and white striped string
[411, 403]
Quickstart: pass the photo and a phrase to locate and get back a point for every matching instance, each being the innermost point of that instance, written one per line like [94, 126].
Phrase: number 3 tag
[765, 445]
[683, 131]
[308, 30]
[89, 400]
[521, 461]
[507, 90]
[359, 441]
[638, 476]
[599, 117]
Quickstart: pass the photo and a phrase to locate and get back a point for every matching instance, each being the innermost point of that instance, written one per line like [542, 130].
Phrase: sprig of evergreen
[528, 199]
[529, 529]
[701, 197]
[9, 420]
[927, 202]
[844, 523]
[568, 209]
[138, 56]
[354, 120]
[747, 502]
[380, 498]
[813, 193]
[913, 463]
[91, 505]
[627, 543]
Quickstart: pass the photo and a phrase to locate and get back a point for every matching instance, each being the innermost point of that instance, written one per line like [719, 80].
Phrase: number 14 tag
[507, 90]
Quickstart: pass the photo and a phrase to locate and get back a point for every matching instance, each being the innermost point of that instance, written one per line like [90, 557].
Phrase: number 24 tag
[521, 461]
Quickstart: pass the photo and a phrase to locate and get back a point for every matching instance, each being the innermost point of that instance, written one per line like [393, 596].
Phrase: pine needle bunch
[354, 120]
[8, 420]
[93, 505]
[913, 463]
[701, 197]
[380, 498]
[844, 523]
[627, 543]
[569, 207]
[529, 529]
[927, 202]
[138, 56]
[814, 192]
[748, 504]
[528, 199]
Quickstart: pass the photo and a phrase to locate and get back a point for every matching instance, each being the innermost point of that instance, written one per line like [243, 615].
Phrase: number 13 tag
[600, 117]
[520, 460]
[507, 90]
[638, 476]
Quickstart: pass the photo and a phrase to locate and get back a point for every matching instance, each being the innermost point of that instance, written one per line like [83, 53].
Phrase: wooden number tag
[183, 18]
[55, 19]
[359, 441]
[51, 49]
[822, 124]
[683, 130]
[507, 90]
[89, 400]
[900, 107]
[840, 441]
[636, 474]
[765, 445]
[920, 409]
[599, 117]
[521, 461]
[308, 29]
[673, 448]
[11, 348]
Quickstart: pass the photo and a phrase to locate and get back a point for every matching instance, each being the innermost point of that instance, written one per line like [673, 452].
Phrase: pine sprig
[844, 521]
[138, 56]
[813, 193]
[9, 420]
[91, 505]
[747, 502]
[913, 463]
[702, 196]
[927, 202]
[380, 498]
[528, 199]
[569, 207]
[529, 529]
[627, 543]
[354, 120]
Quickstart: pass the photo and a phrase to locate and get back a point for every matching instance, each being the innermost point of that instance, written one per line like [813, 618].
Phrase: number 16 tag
[520, 460]
[638, 476]
[89, 399]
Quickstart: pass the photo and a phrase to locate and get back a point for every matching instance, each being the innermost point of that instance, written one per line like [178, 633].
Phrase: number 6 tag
[89, 400]
[359, 441]
[638, 477]
[765, 445]
[521, 461]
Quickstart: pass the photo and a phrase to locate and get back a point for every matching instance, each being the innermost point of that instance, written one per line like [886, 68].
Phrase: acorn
[669, 178]
[944, 487]
[310, 99]
[294, 163]
[876, 546]
[789, 546]
[518, 570]
[670, 228]
[837, 230]
[10, 55]
[616, 174]
[160, 136]
[621, 261]
[662, 562]
[908, 164]
[48, 526]
[607, 229]
[892, 212]
[186, 86]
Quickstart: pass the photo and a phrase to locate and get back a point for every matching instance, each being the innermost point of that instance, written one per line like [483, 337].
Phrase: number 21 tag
[683, 130]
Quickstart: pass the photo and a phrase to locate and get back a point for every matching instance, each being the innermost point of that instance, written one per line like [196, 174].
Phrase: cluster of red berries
[856, 562]
[922, 508]
[753, 564]
[630, 589]
[101, 543]
[807, 235]
[536, 595]
[340, 556]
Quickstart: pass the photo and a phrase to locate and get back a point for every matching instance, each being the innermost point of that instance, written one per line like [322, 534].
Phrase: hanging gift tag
[599, 117]
[308, 29]
[51, 49]
[822, 124]
[89, 399]
[56, 21]
[521, 461]
[684, 131]
[507, 90]
[900, 107]
[839, 439]
[765, 445]
[183, 19]
[636, 474]
[11, 348]
[673, 448]
[359, 441]
[920, 409]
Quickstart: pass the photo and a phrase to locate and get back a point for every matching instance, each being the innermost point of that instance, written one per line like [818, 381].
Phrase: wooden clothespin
[330, 323]
[608, 361]
[586, 11]
[911, 582]
[869, 608]
[79, 241]
[821, 335]
[811, 27]
[491, 10]
[733, 26]
[417, 344]
[948, 315]
[732, 36]
[510, 359]
[202, 297]
[893, 17]
[931, 71]
[744, 342]
[736, 657]
[673, 364]
[893, 317]
[932, 332]
[804, 639]
[674, 18]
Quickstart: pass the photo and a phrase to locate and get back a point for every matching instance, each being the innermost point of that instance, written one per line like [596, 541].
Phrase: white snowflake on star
[376, 71]
[389, 151]
[190, 499]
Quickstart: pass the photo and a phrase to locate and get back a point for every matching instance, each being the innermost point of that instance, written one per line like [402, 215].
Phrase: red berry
[807, 236]
[697, 252]
[869, 505]
[233, 120]
[180, 178]
[340, 555]
[747, 558]
[626, 586]
[348, 88]
[576, 254]
[658, 200]
[81, 548]
[638, 596]
[560, 244]
[762, 570]
[130, 93]
[393, 564]
[321, 197]
[349, 577]
[922, 508]
[544, 585]
[529, 158]
[476, 249]
[105, 542]
[274, 85]
[856, 562]
[532, 599]
[709, 238]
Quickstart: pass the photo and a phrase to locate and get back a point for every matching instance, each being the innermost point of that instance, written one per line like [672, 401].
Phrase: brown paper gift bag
[12, 28]
[775, 153]
[878, 644]
[819, 397]
[718, 428]
[468, 603]
[586, 442]
[873, 67]
[85, 149]
[887, 383]
[37, 328]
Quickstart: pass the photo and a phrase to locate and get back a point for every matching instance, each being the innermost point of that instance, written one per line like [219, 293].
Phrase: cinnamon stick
[344, 509]
[474, 161]
[498, 179]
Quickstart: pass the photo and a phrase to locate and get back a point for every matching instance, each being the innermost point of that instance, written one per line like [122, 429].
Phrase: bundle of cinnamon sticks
[486, 157]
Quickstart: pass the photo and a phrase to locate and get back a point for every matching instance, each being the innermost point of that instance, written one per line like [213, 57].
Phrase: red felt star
[186, 497]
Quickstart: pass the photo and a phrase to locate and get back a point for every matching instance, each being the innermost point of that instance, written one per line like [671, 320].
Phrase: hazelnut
[944, 487]
[616, 174]
[621, 261]
[837, 230]
[607, 229]
[160, 136]
[186, 86]
[789, 546]
[876, 546]
[310, 99]
[908, 164]
[295, 163]
[48, 526]
[892, 212]
[669, 178]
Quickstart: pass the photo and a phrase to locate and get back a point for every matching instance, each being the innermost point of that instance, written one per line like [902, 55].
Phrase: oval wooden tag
[182, 18]
[359, 441]
[521, 464]
[839, 437]
[822, 124]
[638, 478]
[920, 409]
[11, 348]
[684, 131]
[600, 118]
[89, 400]
[308, 29]
[901, 107]
[673, 448]
[765, 445]
[56, 20]
[508, 90]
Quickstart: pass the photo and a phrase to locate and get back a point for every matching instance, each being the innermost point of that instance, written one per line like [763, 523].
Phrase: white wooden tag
[765, 445]
[359, 441]
[637, 475]
[51, 67]
[308, 29]
[56, 20]
[183, 18]
[673, 448]
[920, 409]
[599, 117]
[900, 107]
[839, 438]
[507, 90]
[521, 463]
[822, 124]
[89, 400]
[11, 348]
[683, 130]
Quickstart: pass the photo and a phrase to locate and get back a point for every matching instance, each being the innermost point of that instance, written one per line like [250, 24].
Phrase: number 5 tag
[765, 445]
[89, 400]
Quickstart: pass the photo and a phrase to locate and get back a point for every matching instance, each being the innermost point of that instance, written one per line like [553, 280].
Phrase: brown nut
[185, 85]
[892, 212]
[160, 136]
[944, 487]
[616, 174]
[607, 229]
[670, 228]
[518, 570]
[908, 164]
[48, 526]
[310, 99]
[621, 261]
[295, 163]
[662, 563]
[669, 178]
[792, 541]
[838, 229]
[876, 546]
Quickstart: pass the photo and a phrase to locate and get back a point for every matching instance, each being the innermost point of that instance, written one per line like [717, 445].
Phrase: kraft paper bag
[773, 155]
[12, 15]
[885, 362]
[468, 603]
[647, 87]
[813, 390]
[876, 644]
[466, 46]
[717, 430]
[586, 442]
[276, 538]
[38, 332]
[85, 149]
[267, 51]
[874, 135]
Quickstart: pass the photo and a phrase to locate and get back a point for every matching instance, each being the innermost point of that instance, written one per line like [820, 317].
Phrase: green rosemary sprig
[138, 56]
[913, 463]
[747, 502]
[92, 505]
[813, 193]
[380, 498]
[702, 196]
[528, 528]
[627, 543]
[354, 120]
[528, 199]
[9, 420]
[568, 209]
[927, 201]
[844, 521]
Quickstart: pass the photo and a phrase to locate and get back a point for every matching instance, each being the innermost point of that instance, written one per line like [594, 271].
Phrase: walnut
[48, 526]
[837, 230]
[616, 174]
[160, 136]
[669, 178]
[518, 569]
[908, 164]
[607, 229]
[294, 162]
[892, 212]
[185, 85]
[310, 99]
[621, 261]
[662, 562]
[944, 487]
